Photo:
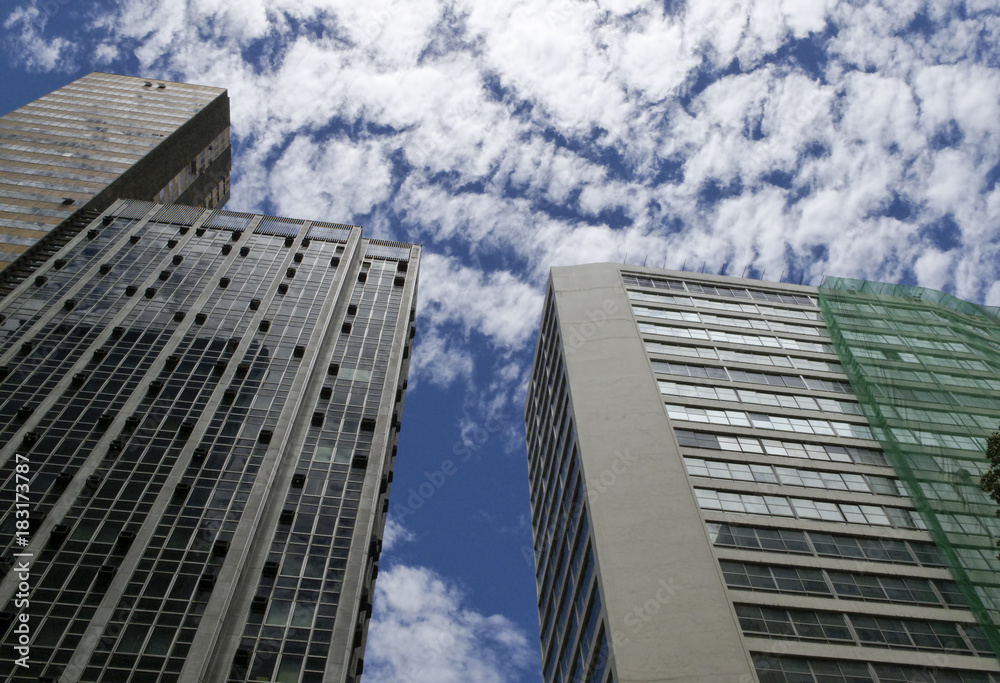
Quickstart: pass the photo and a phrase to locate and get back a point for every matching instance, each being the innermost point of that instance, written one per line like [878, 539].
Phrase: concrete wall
[151, 173]
[667, 611]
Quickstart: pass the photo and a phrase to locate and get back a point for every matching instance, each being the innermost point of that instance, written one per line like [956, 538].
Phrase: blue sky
[785, 139]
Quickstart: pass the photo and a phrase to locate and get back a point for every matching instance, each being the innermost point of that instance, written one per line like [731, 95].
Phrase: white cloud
[105, 53]
[439, 360]
[498, 304]
[29, 46]
[394, 534]
[321, 179]
[422, 632]
[933, 268]
[507, 116]
[993, 295]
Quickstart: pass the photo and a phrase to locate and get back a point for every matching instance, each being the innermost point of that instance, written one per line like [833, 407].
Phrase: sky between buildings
[784, 140]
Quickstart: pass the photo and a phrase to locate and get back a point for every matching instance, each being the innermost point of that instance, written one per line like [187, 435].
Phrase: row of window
[900, 340]
[982, 525]
[561, 510]
[806, 508]
[791, 449]
[97, 89]
[861, 629]
[886, 322]
[761, 398]
[570, 574]
[772, 668]
[54, 155]
[935, 440]
[964, 320]
[733, 292]
[926, 359]
[712, 353]
[940, 379]
[822, 544]
[733, 337]
[980, 558]
[564, 564]
[376, 304]
[781, 423]
[788, 476]
[29, 306]
[883, 309]
[736, 375]
[944, 416]
[590, 625]
[584, 620]
[753, 309]
[829, 583]
[729, 321]
[137, 123]
[599, 662]
[49, 131]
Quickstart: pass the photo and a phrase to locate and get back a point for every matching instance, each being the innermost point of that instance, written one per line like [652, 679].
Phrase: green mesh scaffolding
[926, 368]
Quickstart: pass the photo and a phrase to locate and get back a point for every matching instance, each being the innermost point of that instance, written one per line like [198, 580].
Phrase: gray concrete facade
[697, 435]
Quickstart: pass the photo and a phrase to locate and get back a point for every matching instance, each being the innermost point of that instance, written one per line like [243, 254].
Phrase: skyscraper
[104, 137]
[737, 480]
[204, 406]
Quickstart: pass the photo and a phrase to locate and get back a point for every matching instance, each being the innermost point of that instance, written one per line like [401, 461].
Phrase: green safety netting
[926, 368]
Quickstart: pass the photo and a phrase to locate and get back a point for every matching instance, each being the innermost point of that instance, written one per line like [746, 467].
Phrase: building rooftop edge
[692, 275]
[154, 78]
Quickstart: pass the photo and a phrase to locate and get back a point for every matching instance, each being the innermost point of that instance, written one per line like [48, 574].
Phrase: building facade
[715, 490]
[206, 407]
[105, 137]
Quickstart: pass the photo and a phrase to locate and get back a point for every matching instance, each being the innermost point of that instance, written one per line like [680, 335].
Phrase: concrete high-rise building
[104, 137]
[200, 415]
[737, 480]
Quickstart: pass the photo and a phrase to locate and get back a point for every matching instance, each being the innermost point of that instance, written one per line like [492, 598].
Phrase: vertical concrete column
[668, 615]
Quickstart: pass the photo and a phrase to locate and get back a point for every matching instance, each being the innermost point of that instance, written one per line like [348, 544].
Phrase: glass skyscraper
[737, 480]
[203, 408]
[104, 137]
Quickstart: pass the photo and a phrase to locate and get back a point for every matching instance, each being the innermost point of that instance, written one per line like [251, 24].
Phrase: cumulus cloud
[394, 534]
[440, 360]
[423, 632]
[499, 305]
[993, 295]
[802, 138]
[730, 133]
[334, 178]
[28, 45]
